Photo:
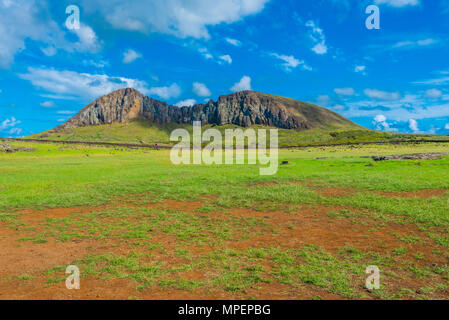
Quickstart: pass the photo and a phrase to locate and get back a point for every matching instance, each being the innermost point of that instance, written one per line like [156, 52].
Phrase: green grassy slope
[142, 131]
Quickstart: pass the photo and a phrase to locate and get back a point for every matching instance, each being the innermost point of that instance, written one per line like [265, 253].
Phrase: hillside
[128, 116]
[245, 109]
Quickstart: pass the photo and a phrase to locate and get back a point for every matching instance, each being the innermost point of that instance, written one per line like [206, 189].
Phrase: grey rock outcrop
[244, 109]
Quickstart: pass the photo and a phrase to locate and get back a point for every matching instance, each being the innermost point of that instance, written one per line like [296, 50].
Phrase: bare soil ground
[313, 224]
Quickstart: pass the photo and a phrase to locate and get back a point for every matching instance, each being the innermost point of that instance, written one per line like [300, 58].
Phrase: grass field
[139, 227]
[142, 131]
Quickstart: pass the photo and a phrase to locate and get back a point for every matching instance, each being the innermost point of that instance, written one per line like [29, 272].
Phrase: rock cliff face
[244, 109]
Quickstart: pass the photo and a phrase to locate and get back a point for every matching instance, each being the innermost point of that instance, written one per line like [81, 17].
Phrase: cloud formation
[176, 17]
[318, 37]
[243, 85]
[83, 85]
[130, 56]
[166, 93]
[344, 91]
[186, 103]
[201, 90]
[225, 59]
[36, 25]
[398, 3]
[8, 126]
[234, 42]
[382, 95]
[290, 62]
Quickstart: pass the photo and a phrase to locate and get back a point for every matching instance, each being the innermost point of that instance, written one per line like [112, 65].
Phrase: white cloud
[413, 125]
[320, 48]
[176, 17]
[446, 126]
[220, 60]
[172, 91]
[409, 106]
[48, 104]
[318, 37]
[409, 44]
[83, 85]
[50, 51]
[130, 56]
[15, 131]
[380, 118]
[434, 93]
[24, 20]
[9, 123]
[234, 42]
[382, 95]
[243, 85]
[96, 63]
[290, 62]
[338, 107]
[323, 100]
[66, 112]
[205, 53]
[201, 90]
[226, 58]
[380, 123]
[435, 81]
[360, 69]
[398, 3]
[14, 34]
[186, 103]
[344, 91]
[88, 41]
[8, 126]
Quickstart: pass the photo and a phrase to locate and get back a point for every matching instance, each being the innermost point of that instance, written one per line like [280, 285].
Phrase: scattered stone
[8, 149]
[416, 156]
[26, 149]
[376, 158]
[285, 162]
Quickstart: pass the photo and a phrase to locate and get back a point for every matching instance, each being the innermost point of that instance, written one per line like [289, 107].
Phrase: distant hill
[126, 115]
[245, 109]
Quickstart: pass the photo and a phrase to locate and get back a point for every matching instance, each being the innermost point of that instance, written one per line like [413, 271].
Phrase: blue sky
[320, 51]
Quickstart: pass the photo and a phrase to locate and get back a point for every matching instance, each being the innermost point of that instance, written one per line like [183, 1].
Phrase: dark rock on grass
[8, 149]
[285, 162]
[376, 158]
[416, 156]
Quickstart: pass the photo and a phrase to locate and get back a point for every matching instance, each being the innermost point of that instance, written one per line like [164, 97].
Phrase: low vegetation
[138, 226]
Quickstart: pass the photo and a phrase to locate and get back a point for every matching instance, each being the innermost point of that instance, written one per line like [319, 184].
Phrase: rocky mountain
[244, 109]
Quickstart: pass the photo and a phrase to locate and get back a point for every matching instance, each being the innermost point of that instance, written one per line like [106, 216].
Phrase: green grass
[156, 244]
[142, 131]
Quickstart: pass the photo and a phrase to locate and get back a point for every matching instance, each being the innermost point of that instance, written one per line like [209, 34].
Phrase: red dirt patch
[306, 225]
[425, 194]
